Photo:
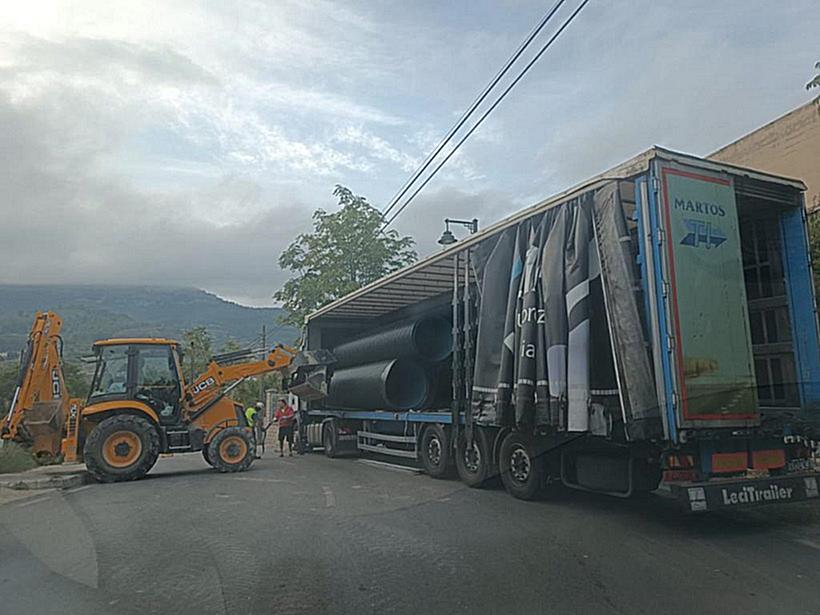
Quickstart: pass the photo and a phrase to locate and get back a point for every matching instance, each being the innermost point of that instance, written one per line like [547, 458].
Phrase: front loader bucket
[309, 383]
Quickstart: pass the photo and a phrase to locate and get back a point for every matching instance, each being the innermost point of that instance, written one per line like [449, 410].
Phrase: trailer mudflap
[722, 494]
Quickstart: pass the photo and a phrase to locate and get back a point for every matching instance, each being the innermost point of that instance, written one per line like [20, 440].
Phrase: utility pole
[264, 353]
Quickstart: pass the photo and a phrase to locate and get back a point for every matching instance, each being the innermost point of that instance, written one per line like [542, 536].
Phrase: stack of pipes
[396, 368]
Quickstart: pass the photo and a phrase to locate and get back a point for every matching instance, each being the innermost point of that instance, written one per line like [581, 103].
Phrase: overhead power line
[481, 119]
[471, 109]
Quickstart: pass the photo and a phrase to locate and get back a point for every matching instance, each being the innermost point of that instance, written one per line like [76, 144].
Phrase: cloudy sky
[187, 143]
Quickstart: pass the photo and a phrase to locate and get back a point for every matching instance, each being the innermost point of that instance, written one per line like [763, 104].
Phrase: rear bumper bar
[714, 495]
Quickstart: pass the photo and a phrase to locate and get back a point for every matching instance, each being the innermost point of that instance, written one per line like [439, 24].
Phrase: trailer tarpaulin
[551, 363]
[639, 399]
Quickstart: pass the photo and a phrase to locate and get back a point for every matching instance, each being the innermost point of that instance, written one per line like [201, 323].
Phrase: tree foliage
[8, 382]
[814, 244]
[247, 393]
[197, 349]
[814, 83]
[345, 251]
[77, 381]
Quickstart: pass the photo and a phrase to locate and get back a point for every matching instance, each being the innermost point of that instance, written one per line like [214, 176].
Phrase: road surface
[313, 535]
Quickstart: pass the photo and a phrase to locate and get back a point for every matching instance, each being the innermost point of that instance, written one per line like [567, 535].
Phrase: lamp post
[447, 238]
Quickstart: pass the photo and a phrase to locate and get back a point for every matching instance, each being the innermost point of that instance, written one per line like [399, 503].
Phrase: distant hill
[94, 312]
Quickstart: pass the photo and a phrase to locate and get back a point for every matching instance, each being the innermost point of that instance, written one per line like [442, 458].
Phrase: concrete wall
[789, 146]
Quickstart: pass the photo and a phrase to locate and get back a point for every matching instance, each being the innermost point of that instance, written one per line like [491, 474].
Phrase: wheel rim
[520, 465]
[472, 458]
[121, 449]
[434, 450]
[233, 449]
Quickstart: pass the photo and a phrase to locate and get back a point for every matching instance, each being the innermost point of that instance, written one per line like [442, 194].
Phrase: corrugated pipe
[397, 384]
[427, 339]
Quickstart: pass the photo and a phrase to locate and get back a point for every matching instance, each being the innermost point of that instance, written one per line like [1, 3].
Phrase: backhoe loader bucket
[44, 423]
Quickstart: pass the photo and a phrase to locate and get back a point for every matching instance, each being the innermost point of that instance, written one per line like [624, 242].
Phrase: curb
[66, 481]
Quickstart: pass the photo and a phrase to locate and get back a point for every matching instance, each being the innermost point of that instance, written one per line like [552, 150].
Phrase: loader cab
[146, 370]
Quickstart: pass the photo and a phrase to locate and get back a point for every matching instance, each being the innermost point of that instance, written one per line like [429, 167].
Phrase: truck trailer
[655, 324]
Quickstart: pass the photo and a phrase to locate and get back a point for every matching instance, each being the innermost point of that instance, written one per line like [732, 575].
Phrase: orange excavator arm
[231, 368]
[40, 403]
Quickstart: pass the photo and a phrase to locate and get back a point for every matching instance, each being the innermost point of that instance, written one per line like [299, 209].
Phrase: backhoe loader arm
[218, 374]
[38, 408]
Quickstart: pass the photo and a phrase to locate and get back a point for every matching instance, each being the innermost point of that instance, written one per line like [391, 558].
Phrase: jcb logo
[56, 389]
[205, 384]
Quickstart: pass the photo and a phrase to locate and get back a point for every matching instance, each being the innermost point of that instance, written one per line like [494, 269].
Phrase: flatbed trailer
[655, 324]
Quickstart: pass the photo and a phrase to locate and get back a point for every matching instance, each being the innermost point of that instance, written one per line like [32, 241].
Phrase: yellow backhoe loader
[139, 405]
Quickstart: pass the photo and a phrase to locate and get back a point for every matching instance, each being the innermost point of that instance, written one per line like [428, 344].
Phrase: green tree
[345, 251]
[8, 382]
[814, 244]
[77, 379]
[814, 83]
[197, 351]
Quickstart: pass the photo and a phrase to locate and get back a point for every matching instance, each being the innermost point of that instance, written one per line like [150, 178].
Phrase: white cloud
[166, 141]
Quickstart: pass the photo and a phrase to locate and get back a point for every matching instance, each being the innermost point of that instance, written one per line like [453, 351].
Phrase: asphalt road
[313, 535]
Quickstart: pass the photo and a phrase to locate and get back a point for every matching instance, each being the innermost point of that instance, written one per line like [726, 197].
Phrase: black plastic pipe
[397, 384]
[427, 339]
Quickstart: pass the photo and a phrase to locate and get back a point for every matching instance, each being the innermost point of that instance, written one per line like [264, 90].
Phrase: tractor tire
[232, 450]
[206, 455]
[121, 448]
[475, 465]
[434, 450]
[523, 466]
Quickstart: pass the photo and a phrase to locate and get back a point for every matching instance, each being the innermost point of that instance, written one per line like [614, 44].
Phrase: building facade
[789, 145]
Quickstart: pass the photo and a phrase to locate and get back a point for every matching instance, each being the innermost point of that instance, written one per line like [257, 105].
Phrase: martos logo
[702, 234]
[700, 207]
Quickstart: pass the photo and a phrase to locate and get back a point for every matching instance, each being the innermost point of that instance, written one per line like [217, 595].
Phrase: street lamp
[447, 238]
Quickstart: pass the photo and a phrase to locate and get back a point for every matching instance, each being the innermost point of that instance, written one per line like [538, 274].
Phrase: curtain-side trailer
[654, 324]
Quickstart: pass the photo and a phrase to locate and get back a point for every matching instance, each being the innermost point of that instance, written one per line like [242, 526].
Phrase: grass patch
[15, 458]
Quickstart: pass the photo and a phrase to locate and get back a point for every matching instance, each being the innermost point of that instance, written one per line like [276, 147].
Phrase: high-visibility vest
[250, 416]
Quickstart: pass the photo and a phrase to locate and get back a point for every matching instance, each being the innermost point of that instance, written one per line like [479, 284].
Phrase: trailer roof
[433, 275]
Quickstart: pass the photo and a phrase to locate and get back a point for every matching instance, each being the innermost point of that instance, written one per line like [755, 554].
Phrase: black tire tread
[329, 434]
[538, 469]
[443, 470]
[213, 450]
[92, 450]
[476, 480]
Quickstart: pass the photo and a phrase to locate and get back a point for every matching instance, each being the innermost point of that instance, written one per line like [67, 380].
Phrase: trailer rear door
[704, 298]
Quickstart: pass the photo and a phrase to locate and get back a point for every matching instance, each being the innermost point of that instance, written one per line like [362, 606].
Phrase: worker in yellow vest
[253, 417]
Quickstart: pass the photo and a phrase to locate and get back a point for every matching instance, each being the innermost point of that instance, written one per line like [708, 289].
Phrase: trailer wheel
[523, 467]
[646, 477]
[232, 450]
[122, 447]
[475, 464]
[329, 441]
[435, 451]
